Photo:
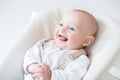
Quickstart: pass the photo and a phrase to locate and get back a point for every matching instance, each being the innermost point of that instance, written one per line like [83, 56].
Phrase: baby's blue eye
[61, 24]
[71, 28]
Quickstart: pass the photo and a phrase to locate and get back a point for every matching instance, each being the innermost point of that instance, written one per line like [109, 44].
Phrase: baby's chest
[54, 57]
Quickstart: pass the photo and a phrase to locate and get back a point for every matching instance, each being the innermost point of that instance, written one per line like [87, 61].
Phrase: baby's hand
[43, 71]
[33, 68]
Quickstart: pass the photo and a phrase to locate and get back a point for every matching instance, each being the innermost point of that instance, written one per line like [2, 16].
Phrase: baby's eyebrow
[75, 25]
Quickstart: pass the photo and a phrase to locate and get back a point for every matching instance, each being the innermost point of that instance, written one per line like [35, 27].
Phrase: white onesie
[53, 56]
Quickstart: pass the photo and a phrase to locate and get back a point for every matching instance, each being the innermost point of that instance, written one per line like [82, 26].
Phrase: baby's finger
[39, 70]
[42, 65]
[46, 65]
[36, 74]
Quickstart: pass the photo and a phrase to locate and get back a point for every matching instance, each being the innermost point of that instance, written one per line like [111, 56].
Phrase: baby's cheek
[72, 42]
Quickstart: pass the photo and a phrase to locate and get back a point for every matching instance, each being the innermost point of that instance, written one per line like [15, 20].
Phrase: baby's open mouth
[62, 38]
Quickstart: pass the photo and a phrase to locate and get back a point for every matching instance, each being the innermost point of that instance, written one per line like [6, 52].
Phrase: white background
[15, 14]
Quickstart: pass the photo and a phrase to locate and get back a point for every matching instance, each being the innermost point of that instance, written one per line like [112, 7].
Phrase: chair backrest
[42, 25]
[105, 48]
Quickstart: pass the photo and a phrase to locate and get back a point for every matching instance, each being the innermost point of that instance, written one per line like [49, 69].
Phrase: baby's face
[71, 32]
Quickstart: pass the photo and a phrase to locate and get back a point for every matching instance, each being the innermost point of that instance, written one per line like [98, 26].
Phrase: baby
[64, 57]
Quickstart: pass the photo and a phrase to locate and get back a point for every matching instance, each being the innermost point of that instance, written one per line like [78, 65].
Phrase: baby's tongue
[62, 38]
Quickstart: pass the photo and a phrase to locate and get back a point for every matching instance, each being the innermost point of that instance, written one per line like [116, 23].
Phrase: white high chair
[42, 25]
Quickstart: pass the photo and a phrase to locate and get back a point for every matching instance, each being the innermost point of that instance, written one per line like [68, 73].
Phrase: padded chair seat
[42, 25]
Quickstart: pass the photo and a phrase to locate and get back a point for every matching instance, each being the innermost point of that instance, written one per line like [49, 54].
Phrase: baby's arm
[31, 58]
[32, 64]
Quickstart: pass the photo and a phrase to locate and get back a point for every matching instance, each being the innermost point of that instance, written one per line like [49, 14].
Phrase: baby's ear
[89, 40]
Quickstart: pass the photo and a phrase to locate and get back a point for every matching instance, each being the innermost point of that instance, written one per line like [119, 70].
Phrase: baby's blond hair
[94, 25]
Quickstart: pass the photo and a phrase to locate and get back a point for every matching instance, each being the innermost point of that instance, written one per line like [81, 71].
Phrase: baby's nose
[64, 29]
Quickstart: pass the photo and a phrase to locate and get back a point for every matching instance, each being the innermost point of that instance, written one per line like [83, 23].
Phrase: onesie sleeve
[31, 56]
[73, 71]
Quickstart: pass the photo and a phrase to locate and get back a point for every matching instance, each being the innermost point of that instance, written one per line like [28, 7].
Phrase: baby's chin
[63, 47]
[60, 46]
